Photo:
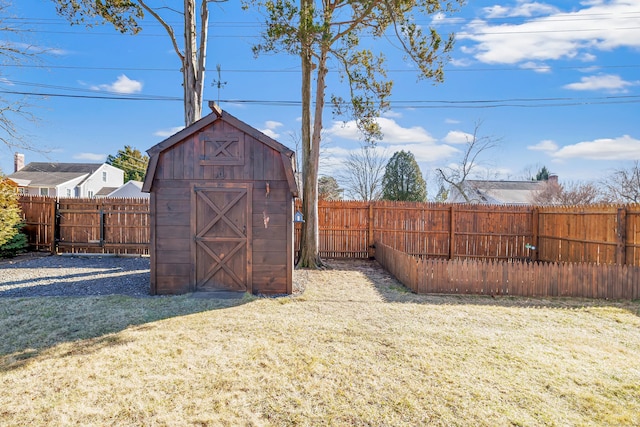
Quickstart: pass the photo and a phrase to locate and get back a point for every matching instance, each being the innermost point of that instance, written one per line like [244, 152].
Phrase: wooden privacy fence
[500, 277]
[348, 229]
[602, 234]
[72, 225]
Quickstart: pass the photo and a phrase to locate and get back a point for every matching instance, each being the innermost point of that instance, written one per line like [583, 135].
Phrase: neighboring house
[64, 179]
[498, 192]
[129, 190]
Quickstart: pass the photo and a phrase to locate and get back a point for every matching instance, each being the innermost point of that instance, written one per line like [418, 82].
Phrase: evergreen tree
[131, 161]
[543, 174]
[328, 189]
[403, 179]
[12, 241]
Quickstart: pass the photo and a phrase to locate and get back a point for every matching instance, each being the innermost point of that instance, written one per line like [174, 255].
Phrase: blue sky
[557, 82]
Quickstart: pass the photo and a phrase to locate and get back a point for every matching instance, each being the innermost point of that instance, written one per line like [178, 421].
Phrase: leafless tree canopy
[364, 169]
[623, 185]
[475, 146]
[13, 109]
[572, 193]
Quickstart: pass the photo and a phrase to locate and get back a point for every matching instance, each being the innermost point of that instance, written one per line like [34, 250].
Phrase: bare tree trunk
[192, 104]
[201, 58]
[310, 256]
[309, 239]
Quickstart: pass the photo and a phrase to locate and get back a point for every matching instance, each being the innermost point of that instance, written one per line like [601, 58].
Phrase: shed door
[222, 236]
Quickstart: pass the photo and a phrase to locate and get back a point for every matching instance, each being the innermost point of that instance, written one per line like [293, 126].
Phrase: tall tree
[131, 161]
[318, 31]
[328, 189]
[363, 174]
[403, 179]
[126, 15]
[475, 146]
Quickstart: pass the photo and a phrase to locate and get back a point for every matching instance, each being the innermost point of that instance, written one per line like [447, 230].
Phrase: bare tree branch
[364, 170]
[623, 185]
[456, 175]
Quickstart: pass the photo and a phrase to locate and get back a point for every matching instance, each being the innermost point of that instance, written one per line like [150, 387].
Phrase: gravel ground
[35, 275]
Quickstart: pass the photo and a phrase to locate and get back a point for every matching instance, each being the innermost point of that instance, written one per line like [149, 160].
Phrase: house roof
[288, 155]
[42, 174]
[105, 191]
[498, 192]
[130, 189]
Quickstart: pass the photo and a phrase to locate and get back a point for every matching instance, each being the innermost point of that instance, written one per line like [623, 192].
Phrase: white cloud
[587, 57]
[392, 114]
[622, 148]
[392, 132]
[271, 124]
[165, 133]
[522, 8]
[451, 121]
[606, 82]
[457, 137]
[271, 134]
[556, 35]
[460, 62]
[270, 129]
[546, 145]
[431, 153]
[93, 157]
[123, 85]
[537, 67]
[441, 18]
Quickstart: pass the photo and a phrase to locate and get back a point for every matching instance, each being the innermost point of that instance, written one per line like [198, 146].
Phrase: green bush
[12, 241]
[16, 244]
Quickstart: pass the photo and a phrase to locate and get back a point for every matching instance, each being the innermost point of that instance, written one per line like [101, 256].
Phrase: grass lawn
[354, 349]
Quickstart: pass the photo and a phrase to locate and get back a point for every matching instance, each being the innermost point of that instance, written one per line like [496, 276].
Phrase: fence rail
[532, 279]
[72, 225]
[348, 229]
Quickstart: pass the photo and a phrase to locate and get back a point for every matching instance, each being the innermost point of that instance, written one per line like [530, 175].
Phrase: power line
[562, 101]
[297, 70]
[107, 97]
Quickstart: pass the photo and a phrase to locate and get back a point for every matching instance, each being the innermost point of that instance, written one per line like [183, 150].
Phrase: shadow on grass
[392, 290]
[33, 325]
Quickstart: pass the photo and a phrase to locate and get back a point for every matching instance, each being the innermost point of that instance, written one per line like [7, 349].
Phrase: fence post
[370, 242]
[452, 232]
[101, 228]
[621, 235]
[56, 226]
[535, 231]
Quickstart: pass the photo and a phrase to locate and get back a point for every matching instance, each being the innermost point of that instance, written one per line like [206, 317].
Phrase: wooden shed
[222, 201]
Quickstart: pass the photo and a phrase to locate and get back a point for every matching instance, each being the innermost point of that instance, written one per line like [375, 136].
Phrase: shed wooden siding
[186, 164]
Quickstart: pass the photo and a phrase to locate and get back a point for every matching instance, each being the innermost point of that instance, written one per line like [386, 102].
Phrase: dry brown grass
[354, 349]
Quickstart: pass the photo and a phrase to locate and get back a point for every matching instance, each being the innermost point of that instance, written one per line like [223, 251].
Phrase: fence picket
[518, 279]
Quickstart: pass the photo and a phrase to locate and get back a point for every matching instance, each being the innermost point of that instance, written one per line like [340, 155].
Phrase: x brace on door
[240, 238]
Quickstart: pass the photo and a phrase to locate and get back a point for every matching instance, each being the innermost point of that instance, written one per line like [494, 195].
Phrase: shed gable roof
[218, 114]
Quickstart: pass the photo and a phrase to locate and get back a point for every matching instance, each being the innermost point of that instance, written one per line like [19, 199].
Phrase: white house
[64, 179]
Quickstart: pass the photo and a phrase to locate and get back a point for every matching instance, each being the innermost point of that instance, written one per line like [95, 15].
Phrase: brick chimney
[18, 162]
[553, 178]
